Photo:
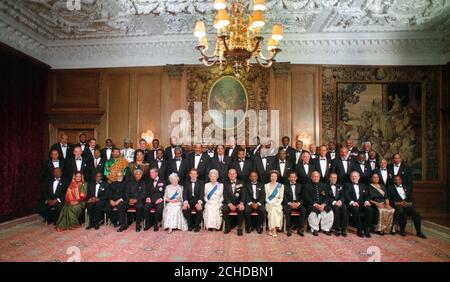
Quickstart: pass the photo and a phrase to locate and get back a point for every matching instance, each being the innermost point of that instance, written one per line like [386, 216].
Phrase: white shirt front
[241, 164]
[78, 163]
[92, 151]
[97, 161]
[159, 163]
[55, 185]
[362, 166]
[293, 192]
[306, 167]
[401, 192]
[282, 165]
[254, 190]
[332, 155]
[323, 166]
[345, 165]
[97, 187]
[82, 147]
[372, 165]
[396, 168]
[211, 154]
[230, 151]
[108, 153]
[173, 152]
[178, 163]
[333, 188]
[356, 187]
[193, 189]
[64, 150]
[384, 174]
[264, 161]
[297, 156]
[197, 160]
[55, 163]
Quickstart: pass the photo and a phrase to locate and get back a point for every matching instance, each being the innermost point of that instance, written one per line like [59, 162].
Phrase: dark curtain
[23, 85]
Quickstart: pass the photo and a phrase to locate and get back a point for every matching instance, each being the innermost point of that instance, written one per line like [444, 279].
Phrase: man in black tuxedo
[54, 193]
[322, 164]
[233, 201]
[297, 157]
[383, 173]
[51, 163]
[97, 199]
[331, 154]
[242, 165]
[373, 160]
[98, 163]
[290, 152]
[357, 199]
[210, 150]
[254, 150]
[352, 151]
[221, 163]
[362, 167]
[78, 163]
[160, 164]
[154, 200]
[341, 166]
[155, 147]
[135, 194]
[82, 142]
[200, 161]
[293, 201]
[115, 198]
[179, 165]
[64, 149]
[193, 189]
[232, 150]
[304, 168]
[367, 148]
[90, 148]
[402, 200]
[313, 151]
[106, 152]
[336, 200]
[262, 163]
[398, 167]
[320, 213]
[255, 202]
[283, 165]
[169, 152]
[145, 151]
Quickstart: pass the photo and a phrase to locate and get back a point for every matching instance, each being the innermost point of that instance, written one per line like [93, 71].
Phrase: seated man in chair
[293, 201]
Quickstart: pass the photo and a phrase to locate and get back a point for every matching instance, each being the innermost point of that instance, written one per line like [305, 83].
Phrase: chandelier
[238, 38]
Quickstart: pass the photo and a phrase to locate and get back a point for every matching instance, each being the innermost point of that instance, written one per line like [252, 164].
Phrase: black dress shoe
[197, 229]
[155, 227]
[239, 232]
[328, 233]
[421, 235]
[226, 231]
[381, 233]
[368, 234]
[138, 228]
[122, 228]
[97, 227]
[115, 224]
[90, 226]
[259, 230]
[344, 233]
[248, 230]
[289, 232]
[146, 227]
[315, 233]
[337, 233]
[191, 228]
[360, 233]
[300, 232]
[403, 233]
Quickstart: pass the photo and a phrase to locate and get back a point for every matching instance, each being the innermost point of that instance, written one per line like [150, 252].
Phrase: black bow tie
[292, 184]
[99, 182]
[282, 162]
[78, 159]
[57, 179]
[253, 183]
[64, 146]
[178, 160]
[197, 155]
[159, 161]
[241, 161]
[233, 183]
[383, 169]
[82, 144]
[323, 159]
[108, 148]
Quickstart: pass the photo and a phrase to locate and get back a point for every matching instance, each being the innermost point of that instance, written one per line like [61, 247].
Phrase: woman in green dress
[69, 218]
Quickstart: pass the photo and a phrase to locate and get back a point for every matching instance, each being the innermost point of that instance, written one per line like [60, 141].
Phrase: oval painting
[227, 93]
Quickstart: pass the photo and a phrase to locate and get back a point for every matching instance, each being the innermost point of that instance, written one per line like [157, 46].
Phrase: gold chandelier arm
[224, 40]
[266, 63]
[258, 42]
[201, 49]
[272, 55]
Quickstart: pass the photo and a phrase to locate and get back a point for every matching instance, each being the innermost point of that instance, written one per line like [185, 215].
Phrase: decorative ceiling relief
[314, 29]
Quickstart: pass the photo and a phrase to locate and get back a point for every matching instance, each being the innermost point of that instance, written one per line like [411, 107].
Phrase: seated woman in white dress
[213, 197]
[274, 197]
[172, 214]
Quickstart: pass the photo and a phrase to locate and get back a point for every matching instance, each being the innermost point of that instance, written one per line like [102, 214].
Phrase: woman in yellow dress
[274, 197]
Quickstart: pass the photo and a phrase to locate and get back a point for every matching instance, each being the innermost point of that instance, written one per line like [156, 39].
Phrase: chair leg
[86, 218]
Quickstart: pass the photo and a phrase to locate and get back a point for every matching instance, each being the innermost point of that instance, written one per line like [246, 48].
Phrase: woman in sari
[76, 193]
[173, 217]
[274, 197]
[138, 163]
[213, 198]
[379, 200]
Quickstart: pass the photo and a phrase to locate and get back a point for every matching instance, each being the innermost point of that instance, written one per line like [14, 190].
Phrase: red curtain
[23, 85]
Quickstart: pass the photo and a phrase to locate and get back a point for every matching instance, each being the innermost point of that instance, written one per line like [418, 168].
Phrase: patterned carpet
[28, 239]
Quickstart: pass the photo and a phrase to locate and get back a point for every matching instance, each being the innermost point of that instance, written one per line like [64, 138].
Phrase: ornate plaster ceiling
[156, 32]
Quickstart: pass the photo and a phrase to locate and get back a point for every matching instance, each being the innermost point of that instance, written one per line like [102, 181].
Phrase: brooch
[160, 188]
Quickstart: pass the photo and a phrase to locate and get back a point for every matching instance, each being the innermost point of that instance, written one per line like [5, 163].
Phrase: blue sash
[275, 192]
[174, 196]
[213, 190]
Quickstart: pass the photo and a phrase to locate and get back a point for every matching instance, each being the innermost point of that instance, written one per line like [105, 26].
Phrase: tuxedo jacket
[376, 196]
[203, 166]
[104, 155]
[294, 157]
[87, 153]
[162, 170]
[102, 194]
[151, 155]
[198, 191]
[383, 181]
[116, 191]
[60, 192]
[86, 168]
[222, 167]
[57, 146]
[404, 171]
[340, 194]
[336, 154]
[290, 153]
[260, 193]
[236, 197]
[316, 194]
[233, 156]
[263, 172]
[394, 196]
[136, 190]
[338, 168]
[253, 150]
[350, 194]
[363, 174]
[324, 175]
[156, 192]
[289, 196]
[47, 169]
[168, 153]
[302, 176]
[99, 168]
[183, 170]
[242, 174]
[288, 167]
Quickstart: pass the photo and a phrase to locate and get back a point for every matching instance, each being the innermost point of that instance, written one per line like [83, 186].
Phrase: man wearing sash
[212, 198]
[233, 200]
[321, 213]
[154, 199]
[114, 165]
